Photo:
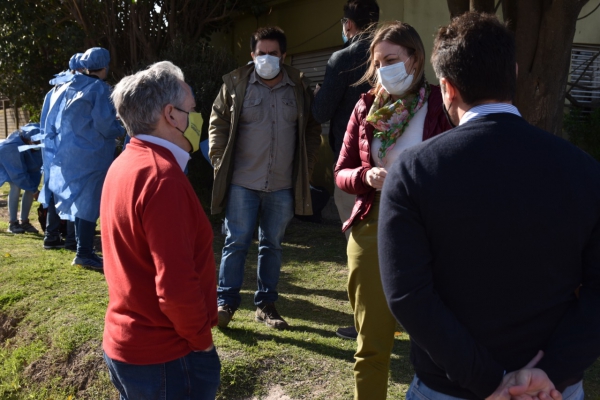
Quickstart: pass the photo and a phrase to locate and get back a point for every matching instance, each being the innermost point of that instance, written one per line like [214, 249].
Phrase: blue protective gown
[85, 145]
[23, 169]
[50, 122]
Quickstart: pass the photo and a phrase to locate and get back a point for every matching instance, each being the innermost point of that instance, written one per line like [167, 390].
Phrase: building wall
[312, 25]
[587, 31]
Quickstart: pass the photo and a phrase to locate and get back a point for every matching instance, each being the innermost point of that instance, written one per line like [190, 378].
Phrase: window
[584, 77]
[313, 65]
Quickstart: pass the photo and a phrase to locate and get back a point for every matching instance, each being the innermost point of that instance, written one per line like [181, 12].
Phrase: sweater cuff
[202, 342]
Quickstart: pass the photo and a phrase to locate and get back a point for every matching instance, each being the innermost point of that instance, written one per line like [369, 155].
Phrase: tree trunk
[457, 7]
[544, 32]
[486, 6]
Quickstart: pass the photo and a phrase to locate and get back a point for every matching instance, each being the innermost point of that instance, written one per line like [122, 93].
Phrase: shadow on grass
[287, 286]
[401, 370]
[299, 309]
[305, 310]
[250, 339]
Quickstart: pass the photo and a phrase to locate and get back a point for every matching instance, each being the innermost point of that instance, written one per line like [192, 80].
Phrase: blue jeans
[195, 376]
[13, 203]
[273, 210]
[419, 391]
[84, 233]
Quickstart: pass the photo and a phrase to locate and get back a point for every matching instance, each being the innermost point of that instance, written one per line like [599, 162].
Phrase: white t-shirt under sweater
[412, 135]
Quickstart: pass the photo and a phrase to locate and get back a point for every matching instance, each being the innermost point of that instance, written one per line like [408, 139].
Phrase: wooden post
[17, 115]
[5, 119]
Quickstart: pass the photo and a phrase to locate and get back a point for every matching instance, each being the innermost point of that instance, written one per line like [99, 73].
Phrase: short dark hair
[363, 12]
[476, 53]
[269, 33]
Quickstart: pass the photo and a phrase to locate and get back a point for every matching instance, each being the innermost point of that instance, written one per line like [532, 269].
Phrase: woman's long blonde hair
[404, 35]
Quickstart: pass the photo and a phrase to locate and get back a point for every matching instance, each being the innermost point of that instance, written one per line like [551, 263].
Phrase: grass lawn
[52, 315]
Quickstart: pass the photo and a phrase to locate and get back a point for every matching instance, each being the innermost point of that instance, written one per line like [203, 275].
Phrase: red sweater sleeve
[180, 265]
[350, 170]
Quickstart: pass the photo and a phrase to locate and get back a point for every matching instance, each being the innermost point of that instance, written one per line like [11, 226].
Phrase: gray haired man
[160, 275]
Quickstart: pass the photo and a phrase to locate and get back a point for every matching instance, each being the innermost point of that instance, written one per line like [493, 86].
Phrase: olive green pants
[372, 317]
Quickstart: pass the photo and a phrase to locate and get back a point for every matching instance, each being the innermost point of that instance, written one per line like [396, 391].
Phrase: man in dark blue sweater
[489, 240]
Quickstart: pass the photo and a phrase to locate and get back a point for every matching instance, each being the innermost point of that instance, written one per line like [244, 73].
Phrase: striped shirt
[485, 109]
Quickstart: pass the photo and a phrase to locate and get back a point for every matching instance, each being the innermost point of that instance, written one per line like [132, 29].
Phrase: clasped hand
[528, 383]
[375, 177]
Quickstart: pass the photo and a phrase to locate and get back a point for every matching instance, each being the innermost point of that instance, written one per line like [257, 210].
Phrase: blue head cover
[95, 58]
[30, 130]
[74, 62]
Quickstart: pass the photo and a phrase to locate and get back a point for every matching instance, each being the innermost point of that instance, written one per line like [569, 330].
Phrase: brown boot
[225, 314]
[269, 315]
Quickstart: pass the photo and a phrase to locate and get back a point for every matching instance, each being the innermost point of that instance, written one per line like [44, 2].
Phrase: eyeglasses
[343, 21]
[187, 112]
[179, 109]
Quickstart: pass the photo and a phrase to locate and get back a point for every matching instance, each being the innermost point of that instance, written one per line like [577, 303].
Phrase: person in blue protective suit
[87, 133]
[22, 169]
[50, 120]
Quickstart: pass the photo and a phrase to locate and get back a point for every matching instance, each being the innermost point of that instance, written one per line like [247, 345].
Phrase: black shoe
[54, 244]
[347, 333]
[269, 315]
[71, 247]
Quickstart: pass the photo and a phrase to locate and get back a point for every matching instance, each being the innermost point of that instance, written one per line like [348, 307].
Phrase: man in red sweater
[160, 275]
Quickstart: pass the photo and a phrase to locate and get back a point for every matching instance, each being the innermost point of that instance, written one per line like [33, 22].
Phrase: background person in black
[490, 248]
[335, 100]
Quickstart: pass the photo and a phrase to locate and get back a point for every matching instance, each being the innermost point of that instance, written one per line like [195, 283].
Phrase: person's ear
[350, 26]
[448, 89]
[252, 55]
[167, 113]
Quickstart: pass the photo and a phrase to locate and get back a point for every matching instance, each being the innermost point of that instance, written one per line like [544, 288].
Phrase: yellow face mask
[194, 129]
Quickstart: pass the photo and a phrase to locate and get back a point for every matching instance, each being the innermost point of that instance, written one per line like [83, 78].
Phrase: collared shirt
[485, 109]
[266, 140]
[181, 156]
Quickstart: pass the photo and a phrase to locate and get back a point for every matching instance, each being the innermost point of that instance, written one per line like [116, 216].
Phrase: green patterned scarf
[390, 119]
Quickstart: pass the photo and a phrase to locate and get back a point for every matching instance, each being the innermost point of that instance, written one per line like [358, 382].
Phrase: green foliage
[38, 37]
[37, 40]
[584, 130]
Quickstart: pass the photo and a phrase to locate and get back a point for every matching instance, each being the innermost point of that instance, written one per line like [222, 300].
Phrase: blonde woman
[401, 110]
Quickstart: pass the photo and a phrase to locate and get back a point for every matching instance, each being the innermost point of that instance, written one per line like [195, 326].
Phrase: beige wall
[588, 29]
[312, 25]
[302, 20]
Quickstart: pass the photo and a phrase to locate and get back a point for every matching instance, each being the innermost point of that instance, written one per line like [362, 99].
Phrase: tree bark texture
[544, 32]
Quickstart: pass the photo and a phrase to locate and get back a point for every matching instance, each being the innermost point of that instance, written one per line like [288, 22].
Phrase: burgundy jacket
[355, 156]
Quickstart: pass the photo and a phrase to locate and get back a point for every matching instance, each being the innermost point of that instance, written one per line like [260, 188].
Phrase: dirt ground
[275, 393]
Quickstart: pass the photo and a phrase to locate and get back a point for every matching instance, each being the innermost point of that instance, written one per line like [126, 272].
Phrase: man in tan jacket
[263, 146]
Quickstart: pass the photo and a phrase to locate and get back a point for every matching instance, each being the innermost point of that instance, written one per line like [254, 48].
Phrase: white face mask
[394, 79]
[267, 67]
